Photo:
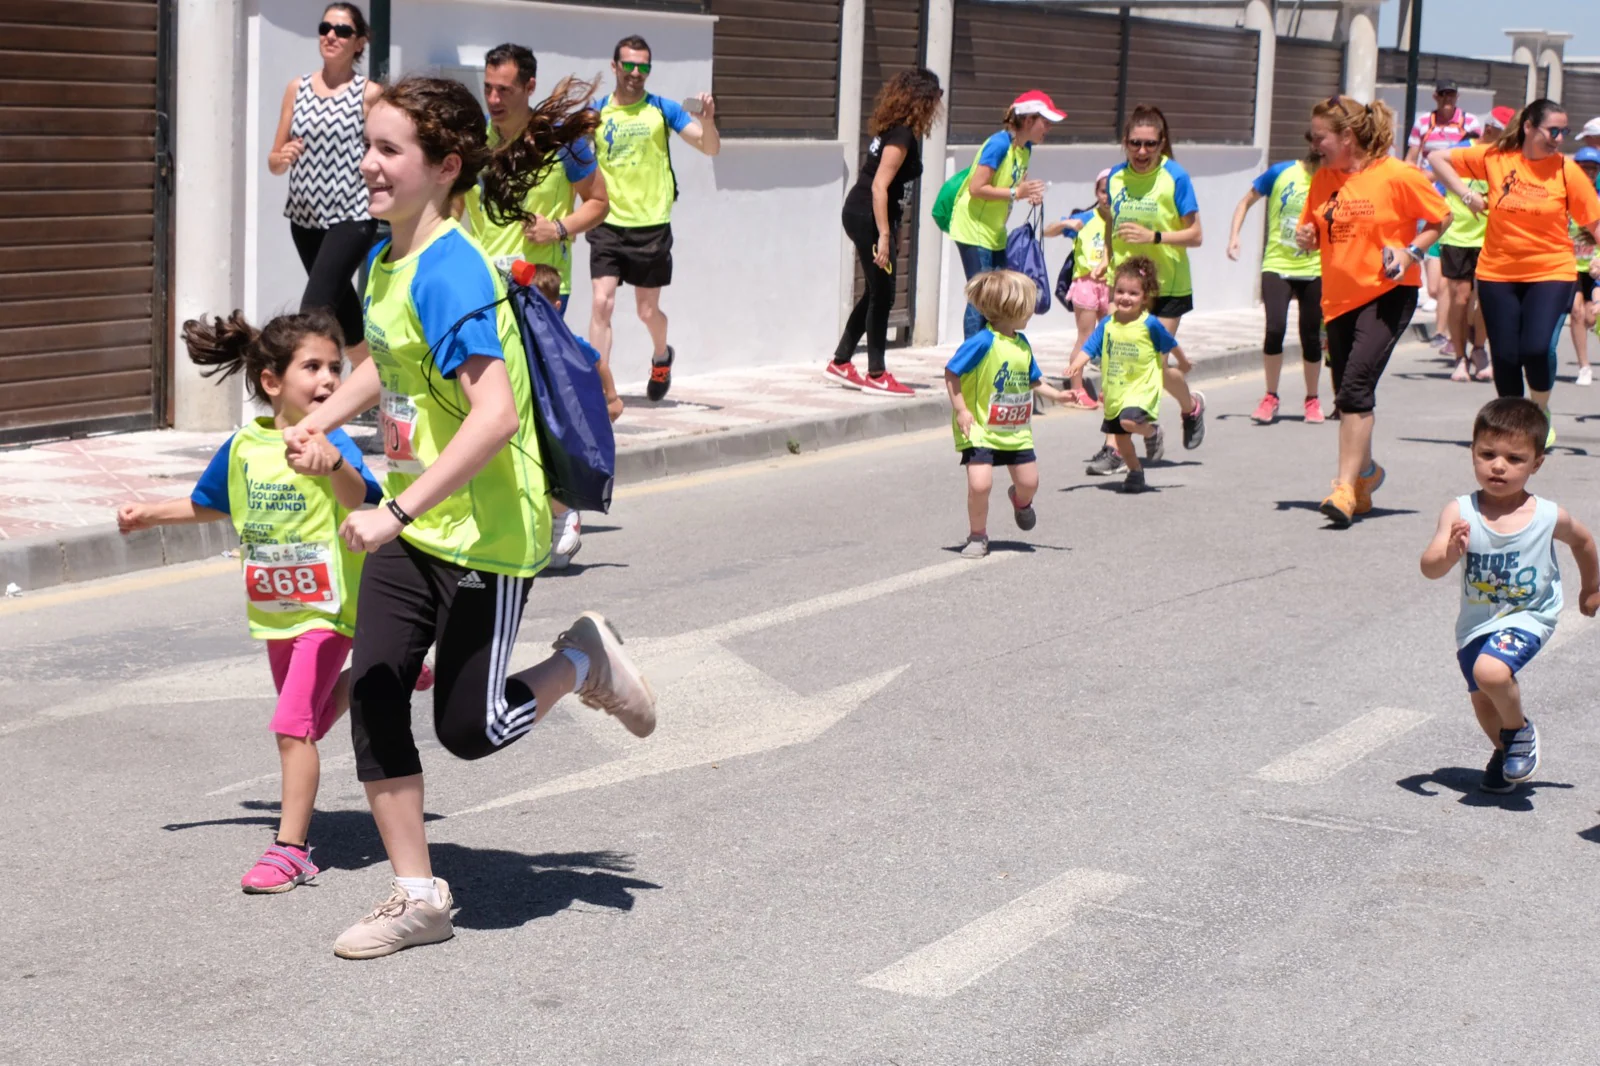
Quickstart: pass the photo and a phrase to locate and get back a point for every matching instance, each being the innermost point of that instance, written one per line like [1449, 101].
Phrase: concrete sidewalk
[57, 500]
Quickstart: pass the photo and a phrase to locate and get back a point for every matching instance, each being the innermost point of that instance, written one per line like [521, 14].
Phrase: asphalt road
[1181, 778]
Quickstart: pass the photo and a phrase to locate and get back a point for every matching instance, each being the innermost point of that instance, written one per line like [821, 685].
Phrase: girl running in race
[1155, 214]
[1583, 307]
[991, 380]
[1362, 213]
[1459, 249]
[1089, 294]
[1288, 272]
[466, 523]
[1131, 347]
[300, 579]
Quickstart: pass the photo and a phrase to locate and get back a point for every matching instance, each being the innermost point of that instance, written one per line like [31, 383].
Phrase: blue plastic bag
[569, 406]
[1025, 255]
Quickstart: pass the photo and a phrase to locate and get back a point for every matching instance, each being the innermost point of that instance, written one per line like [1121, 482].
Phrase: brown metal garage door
[84, 186]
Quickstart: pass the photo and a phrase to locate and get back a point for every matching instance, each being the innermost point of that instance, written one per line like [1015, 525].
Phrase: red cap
[1502, 116]
[1034, 102]
[522, 273]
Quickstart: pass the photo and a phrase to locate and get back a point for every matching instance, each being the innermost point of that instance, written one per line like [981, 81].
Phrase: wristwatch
[399, 513]
[1414, 252]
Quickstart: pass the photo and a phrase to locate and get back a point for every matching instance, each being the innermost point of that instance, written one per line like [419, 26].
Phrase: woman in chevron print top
[319, 144]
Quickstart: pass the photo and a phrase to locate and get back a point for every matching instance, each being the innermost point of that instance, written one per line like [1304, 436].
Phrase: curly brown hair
[910, 98]
[1143, 270]
[449, 121]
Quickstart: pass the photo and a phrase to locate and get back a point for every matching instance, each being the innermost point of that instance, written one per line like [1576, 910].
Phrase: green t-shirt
[1158, 200]
[1130, 357]
[427, 314]
[552, 198]
[1089, 247]
[997, 378]
[632, 147]
[982, 223]
[1285, 186]
[1466, 229]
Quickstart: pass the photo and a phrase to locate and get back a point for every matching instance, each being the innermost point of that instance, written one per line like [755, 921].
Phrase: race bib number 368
[290, 577]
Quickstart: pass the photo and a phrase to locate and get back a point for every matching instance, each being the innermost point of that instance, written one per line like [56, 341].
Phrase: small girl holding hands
[991, 380]
[1130, 346]
[1089, 294]
[300, 580]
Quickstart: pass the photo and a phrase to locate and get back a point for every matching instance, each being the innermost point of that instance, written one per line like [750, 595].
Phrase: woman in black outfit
[906, 109]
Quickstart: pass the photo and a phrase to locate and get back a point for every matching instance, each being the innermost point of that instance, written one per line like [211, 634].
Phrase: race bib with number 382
[1010, 410]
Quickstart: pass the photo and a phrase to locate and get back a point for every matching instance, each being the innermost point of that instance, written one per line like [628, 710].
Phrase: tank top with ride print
[1509, 580]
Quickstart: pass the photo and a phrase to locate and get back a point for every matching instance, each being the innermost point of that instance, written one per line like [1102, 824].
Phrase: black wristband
[398, 512]
[561, 229]
[1158, 235]
[338, 465]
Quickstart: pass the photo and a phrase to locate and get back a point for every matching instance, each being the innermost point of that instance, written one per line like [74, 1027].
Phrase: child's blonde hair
[1004, 297]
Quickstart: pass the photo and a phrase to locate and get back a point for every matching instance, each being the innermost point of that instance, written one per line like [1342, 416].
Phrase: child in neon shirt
[300, 580]
[991, 381]
[1130, 346]
[1089, 294]
[1510, 583]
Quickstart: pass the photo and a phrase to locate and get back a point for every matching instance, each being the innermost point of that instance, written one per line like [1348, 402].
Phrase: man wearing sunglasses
[1443, 128]
[633, 245]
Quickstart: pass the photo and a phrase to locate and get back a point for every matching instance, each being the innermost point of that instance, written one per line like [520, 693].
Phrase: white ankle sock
[423, 888]
[580, 666]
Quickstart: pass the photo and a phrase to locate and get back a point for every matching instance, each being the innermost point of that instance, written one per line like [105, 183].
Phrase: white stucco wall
[1221, 176]
[756, 257]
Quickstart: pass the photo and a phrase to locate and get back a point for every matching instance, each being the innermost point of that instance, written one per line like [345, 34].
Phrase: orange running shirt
[1357, 216]
[1529, 203]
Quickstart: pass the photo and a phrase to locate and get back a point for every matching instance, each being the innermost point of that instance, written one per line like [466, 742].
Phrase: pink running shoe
[843, 374]
[1313, 410]
[1082, 398]
[425, 678]
[280, 868]
[1266, 411]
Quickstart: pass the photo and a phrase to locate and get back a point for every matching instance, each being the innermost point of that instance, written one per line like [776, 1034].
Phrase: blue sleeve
[589, 350]
[1096, 340]
[372, 256]
[994, 150]
[971, 352]
[676, 116]
[1035, 375]
[452, 280]
[212, 488]
[1182, 189]
[1163, 340]
[1263, 185]
[600, 104]
[352, 455]
[578, 161]
[1081, 216]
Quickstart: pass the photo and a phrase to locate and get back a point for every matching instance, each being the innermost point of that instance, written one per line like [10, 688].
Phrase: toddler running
[1089, 294]
[299, 579]
[1510, 581]
[1130, 346]
[991, 380]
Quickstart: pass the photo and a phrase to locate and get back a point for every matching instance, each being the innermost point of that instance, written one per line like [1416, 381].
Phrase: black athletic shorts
[1458, 264]
[1136, 415]
[1361, 341]
[1586, 284]
[640, 256]
[1172, 306]
[997, 457]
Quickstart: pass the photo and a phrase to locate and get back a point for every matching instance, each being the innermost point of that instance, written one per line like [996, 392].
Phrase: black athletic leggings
[1276, 292]
[331, 257]
[1360, 343]
[1521, 318]
[410, 600]
[870, 316]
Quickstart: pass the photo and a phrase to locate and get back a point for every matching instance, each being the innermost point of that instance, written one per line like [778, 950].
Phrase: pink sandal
[280, 868]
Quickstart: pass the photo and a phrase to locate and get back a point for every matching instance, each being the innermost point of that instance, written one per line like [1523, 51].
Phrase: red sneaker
[885, 383]
[843, 374]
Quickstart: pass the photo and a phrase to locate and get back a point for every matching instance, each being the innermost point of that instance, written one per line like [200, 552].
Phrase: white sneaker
[1428, 305]
[1585, 375]
[397, 923]
[568, 536]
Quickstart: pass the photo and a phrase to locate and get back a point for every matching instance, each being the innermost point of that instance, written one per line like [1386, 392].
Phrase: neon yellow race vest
[1130, 367]
[999, 393]
[1089, 249]
[1285, 204]
[1466, 230]
[633, 149]
[1152, 200]
[983, 222]
[552, 198]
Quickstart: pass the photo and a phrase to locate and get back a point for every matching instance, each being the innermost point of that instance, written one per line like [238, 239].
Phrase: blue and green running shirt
[631, 145]
[983, 222]
[298, 575]
[427, 314]
[1158, 200]
[997, 378]
[552, 198]
[1285, 185]
[1129, 355]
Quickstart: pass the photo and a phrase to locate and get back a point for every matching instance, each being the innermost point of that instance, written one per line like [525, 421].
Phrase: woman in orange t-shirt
[1363, 214]
[1525, 274]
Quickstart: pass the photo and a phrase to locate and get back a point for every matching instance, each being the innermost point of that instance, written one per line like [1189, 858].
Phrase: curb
[35, 563]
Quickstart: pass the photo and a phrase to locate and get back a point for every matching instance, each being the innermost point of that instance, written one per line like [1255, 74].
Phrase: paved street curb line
[34, 563]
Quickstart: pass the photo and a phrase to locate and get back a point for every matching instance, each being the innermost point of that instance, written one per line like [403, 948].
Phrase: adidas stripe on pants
[409, 601]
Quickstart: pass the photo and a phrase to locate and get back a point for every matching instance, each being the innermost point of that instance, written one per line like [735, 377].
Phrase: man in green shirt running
[634, 244]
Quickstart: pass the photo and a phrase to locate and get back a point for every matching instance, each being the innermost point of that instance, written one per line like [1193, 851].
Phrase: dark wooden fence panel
[775, 67]
[1307, 72]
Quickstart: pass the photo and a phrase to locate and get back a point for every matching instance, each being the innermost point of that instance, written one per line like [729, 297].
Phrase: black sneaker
[1134, 482]
[1155, 446]
[1494, 775]
[1106, 462]
[660, 377]
[1522, 751]
[1025, 517]
[1194, 423]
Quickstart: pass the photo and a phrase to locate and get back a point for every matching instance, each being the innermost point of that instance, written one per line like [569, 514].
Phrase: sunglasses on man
[634, 68]
[342, 30]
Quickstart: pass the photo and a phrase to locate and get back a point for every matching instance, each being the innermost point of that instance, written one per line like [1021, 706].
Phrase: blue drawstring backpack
[1025, 255]
[569, 406]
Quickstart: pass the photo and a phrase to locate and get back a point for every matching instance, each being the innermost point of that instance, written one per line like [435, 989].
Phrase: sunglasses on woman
[634, 68]
[1556, 133]
[1143, 144]
[341, 30]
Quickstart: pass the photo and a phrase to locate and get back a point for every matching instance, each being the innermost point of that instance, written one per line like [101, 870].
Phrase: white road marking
[950, 963]
[1326, 756]
[1341, 825]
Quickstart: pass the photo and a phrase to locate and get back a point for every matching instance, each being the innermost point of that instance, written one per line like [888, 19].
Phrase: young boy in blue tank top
[1510, 581]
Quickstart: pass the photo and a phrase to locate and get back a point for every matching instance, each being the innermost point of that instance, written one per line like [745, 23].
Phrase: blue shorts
[1514, 647]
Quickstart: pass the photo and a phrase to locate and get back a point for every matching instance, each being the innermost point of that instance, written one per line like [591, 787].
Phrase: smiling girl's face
[309, 379]
[1128, 298]
[400, 180]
